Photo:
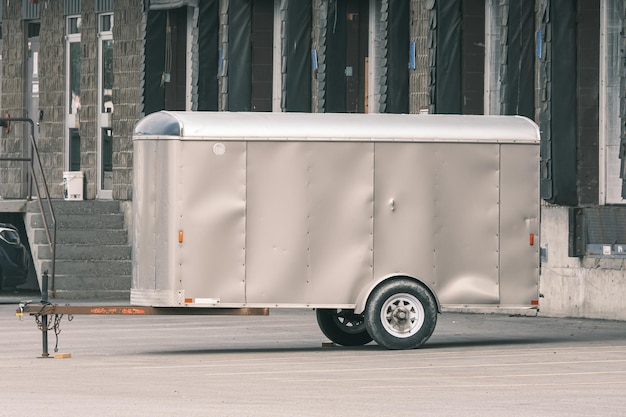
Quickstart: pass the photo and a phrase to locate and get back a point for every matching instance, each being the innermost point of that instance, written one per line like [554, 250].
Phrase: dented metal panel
[277, 240]
[519, 219]
[465, 246]
[154, 160]
[309, 221]
[155, 275]
[403, 241]
[211, 211]
[144, 202]
[340, 220]
[308, 210]
[442, 225]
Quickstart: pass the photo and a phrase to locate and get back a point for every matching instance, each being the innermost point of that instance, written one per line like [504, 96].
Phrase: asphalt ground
[473, 365]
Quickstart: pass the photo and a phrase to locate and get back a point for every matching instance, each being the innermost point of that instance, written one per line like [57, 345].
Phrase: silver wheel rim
[402, 315]
[349, 322]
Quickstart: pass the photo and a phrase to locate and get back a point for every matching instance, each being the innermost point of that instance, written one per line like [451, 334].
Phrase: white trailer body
[328, 211]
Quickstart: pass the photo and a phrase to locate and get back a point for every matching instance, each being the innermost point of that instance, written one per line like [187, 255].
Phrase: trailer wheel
[343, 327]
[401, 314]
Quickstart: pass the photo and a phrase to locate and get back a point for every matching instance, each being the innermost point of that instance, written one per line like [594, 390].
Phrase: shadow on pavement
[17, 296]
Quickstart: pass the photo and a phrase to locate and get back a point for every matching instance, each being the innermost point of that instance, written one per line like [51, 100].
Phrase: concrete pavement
[474, 365]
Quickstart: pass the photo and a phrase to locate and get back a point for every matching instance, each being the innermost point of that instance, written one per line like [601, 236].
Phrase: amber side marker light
[188, 300]
[532, 239]
[180, 236]
[534, 302]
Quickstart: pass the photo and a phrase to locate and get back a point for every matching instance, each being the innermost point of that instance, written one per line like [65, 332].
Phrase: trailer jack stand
[42, 320]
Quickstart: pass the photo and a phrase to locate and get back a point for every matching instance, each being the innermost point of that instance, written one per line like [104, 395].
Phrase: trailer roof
[332, 126]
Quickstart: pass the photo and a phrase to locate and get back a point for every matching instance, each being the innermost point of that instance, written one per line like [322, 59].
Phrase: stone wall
[319, 27]
[418, 78]
[51, 141]
[222, 76]
[128, 67]
[89, 98]
[13, 144]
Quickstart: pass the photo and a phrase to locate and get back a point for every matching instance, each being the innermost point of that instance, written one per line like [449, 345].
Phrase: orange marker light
[532, 239]
[188, 300]
[180, 236]
[534, 302]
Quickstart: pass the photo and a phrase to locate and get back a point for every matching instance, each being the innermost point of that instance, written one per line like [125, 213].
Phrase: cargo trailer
[376, 221]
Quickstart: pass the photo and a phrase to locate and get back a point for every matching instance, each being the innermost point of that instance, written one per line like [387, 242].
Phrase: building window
[74, 154]
[73, 106]
[105, 98]
[106, 63]
[74, 78]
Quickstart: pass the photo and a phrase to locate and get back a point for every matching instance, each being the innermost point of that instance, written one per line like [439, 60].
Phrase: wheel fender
[364, 295]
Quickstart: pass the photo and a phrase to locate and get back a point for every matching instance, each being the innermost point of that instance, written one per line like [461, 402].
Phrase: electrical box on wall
[597, 232]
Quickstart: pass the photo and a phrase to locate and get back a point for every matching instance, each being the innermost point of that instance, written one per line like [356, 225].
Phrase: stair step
[86, 252]
[83, 221]
[66, 282]
[83, 294]
[95, 268]
[81, 237]
[102, 287]
[77, 207]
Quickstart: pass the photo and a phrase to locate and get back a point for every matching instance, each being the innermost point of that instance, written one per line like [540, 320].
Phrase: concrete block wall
[222, 77]
[319, 28]
[577, 287]
[89, 97]
[418, 78]
[128, 67]
[51, 140]
[12, 174]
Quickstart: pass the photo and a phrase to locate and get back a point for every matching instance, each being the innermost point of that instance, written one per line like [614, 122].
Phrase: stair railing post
[44, 318]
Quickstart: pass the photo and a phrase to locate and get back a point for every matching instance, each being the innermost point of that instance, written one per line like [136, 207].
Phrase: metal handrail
[33, 178]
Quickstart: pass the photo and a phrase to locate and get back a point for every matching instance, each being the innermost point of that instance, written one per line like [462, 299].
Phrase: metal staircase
[82, 245]
[93, 254]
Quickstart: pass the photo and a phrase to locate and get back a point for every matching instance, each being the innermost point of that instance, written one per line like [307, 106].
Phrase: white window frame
[104, 118]
[70, 119]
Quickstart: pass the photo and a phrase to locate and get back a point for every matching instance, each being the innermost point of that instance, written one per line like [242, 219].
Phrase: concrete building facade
[87, 70]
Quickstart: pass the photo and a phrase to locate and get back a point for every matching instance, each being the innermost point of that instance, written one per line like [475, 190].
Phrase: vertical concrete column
[320, 24]
[52, 96]
[223, 56]
[418, 78]
[89, 97]
[128, 67]
[13, 174]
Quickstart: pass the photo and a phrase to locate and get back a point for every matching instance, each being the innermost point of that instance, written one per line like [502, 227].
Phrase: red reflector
[532, 239]
[534, 302]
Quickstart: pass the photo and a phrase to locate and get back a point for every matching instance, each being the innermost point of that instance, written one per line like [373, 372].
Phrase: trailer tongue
[44, 310]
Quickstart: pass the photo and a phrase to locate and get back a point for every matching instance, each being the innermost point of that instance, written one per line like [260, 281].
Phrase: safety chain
[52, 325]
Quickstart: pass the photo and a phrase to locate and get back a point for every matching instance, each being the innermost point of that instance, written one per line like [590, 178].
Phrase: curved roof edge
[333, 126]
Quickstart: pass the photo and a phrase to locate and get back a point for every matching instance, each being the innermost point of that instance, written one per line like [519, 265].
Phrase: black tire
[343, 327]
[401, 314]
